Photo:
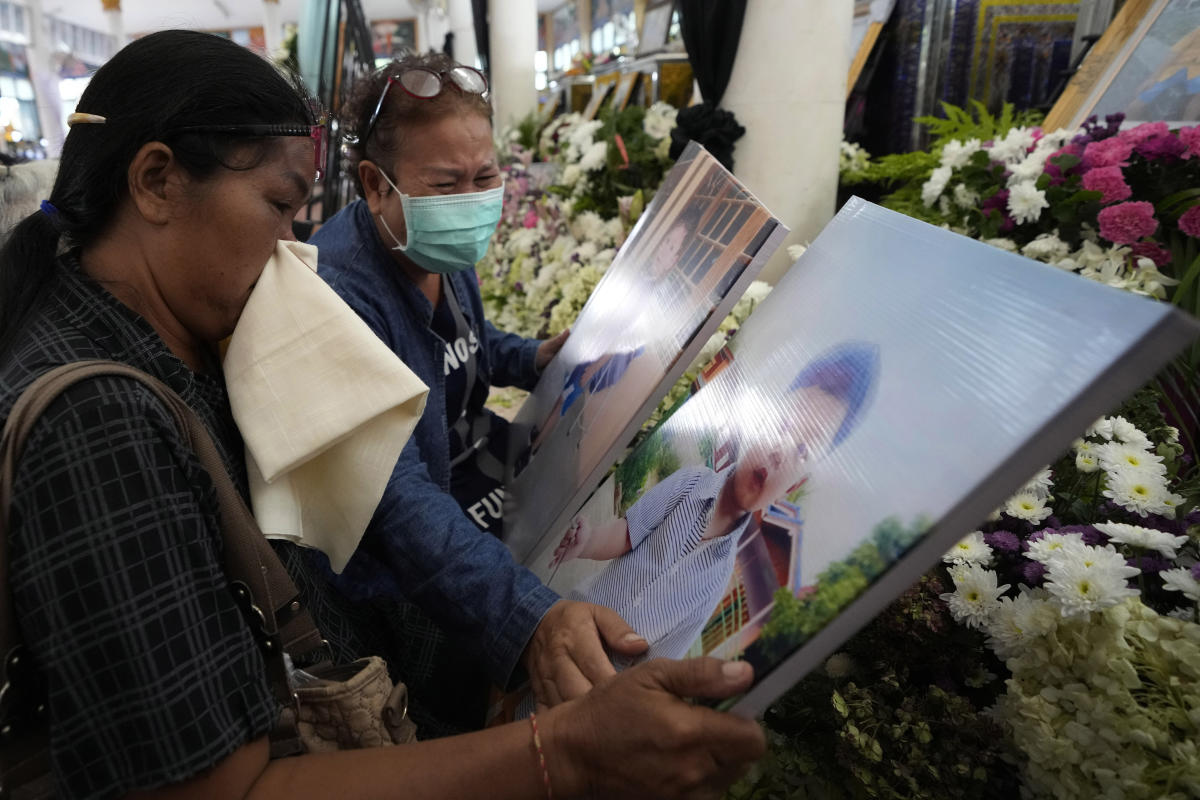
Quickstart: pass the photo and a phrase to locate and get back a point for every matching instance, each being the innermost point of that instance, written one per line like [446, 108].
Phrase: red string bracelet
[537, 743]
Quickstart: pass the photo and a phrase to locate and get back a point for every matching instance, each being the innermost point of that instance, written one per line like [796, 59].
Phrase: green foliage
[978, 123]
[897, 719]
[645, 169]
[904, 173]
[527, 130]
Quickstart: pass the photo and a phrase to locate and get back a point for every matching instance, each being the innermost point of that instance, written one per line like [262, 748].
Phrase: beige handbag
[324, 707]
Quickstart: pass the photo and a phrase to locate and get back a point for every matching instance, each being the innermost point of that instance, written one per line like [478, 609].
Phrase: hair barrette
[79, 118]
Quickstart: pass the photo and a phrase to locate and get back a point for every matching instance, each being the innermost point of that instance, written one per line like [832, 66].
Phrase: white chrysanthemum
[1052, 545]
[965, 197]
[1027, 506]
[1181, 580]
[1138, 491]
[971, 549]
[1013, 147]
[1129, 433]
[956, 153]
[1016, 620]
[1086, 579]
[1002, 243]
[976, 595]
[1046, 247]
[1146, 538]
[1040, 483]
[570, 175]
[1086, 462]
[1118, 456]
[581, 138]
[1101, 427]
[595, 157]
[933, 188]
[659, 120]
[794, 251]
[1025, 202]
[1029, 169]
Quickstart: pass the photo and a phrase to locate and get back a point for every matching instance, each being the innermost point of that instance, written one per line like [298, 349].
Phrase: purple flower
[1090, 535]
[999, 201]
[1125, 223]
[1189, 222]
[1003, 540]
[1033, 572]
[1196, 570]
[1109, 182]
[1149, 564]
[1165, 146]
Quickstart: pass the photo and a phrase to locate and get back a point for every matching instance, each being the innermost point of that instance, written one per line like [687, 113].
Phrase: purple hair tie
[49, 210]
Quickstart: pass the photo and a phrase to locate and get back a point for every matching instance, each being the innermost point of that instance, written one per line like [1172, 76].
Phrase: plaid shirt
[116, 558]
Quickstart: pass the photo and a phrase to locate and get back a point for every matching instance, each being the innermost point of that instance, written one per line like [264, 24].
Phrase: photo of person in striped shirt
[672, 555]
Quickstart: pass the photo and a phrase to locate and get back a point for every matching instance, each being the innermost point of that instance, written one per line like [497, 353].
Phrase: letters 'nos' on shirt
[116, 558]
[668, 584]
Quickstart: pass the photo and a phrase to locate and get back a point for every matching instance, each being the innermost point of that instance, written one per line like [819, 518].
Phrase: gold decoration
[111, 5]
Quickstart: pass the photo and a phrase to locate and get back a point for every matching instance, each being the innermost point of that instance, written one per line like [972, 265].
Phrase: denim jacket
[420, 545]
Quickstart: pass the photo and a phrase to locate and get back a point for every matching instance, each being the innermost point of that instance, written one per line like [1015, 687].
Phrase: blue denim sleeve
[422, 547]
[511, 357]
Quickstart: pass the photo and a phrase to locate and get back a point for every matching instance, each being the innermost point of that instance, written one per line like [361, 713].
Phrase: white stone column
[43, 73]
[272, 27]
[116, 22]
[462, 25]
[513, 41]
[788, 89]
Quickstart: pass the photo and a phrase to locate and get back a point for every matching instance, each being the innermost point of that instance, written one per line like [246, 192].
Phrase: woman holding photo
[186, 164]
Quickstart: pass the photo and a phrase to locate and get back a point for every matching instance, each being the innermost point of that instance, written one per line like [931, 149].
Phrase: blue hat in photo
[847, 372]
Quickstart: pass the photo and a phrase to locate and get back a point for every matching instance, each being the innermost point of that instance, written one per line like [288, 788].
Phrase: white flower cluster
[1022, 152]
[1105, 705]
[1031, 502]
[852, 158]
[659, 120]
[1135, 476]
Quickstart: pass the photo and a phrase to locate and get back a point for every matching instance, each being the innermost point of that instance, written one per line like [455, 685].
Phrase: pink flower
[1167, 146]
[1160, 255]
[1125, 223]
[1109, 182]
[1141, 133]
[1191, 138]
[1189, 222]
[531, 218]
[1112, 152]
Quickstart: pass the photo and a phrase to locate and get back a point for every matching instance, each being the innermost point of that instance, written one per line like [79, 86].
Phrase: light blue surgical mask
[447, 232]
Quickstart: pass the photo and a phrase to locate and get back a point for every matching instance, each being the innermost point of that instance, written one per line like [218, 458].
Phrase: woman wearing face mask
[183, 169]
[403, 257]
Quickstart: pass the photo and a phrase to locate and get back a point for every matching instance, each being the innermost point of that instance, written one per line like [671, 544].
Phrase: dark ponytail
[149, 90]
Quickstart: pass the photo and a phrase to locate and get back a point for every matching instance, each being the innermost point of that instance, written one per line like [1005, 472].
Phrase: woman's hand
[568, 651]
[573, 541]
[548, 349]
[634, 737]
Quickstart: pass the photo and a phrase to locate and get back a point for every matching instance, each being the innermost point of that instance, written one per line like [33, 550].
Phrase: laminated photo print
[691, 255]
[899, 383]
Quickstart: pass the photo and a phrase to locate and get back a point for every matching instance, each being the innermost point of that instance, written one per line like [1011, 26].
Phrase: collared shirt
[420, 544]
[152, 675]
[668, 584]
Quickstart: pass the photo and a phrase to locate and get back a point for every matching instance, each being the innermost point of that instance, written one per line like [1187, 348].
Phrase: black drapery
[479, 11]
[711, 29]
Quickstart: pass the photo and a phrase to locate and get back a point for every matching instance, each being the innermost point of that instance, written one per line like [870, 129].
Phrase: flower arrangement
[1118, 206]
[1086, 584]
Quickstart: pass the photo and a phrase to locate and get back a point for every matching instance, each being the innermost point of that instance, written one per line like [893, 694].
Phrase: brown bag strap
[258, 577]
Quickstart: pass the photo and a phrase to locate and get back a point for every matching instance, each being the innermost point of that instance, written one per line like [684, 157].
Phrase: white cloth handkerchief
[323, 405]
